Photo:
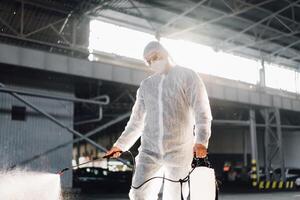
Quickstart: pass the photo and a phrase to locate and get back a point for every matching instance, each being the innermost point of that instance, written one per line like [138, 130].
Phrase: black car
[291, 174]
[101, 180]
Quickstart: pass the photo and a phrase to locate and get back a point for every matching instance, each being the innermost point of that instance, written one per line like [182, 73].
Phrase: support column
[298, 81]
[273, 149]
[266, 144]
[253, 136]
[280, 149]
[245, 148]
[78, 152]
[262, 75]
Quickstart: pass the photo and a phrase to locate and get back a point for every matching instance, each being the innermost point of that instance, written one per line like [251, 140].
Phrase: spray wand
[61, 172]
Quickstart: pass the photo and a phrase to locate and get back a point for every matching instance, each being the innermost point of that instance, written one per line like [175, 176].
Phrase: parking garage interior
[67, 87]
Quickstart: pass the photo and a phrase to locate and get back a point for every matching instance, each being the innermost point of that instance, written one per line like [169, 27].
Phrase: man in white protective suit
[168, 105]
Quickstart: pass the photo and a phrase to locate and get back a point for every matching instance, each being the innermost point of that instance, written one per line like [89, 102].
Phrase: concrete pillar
[262, 75]
[253, 136]
[245, 148]
[280, 147]
[266, 143]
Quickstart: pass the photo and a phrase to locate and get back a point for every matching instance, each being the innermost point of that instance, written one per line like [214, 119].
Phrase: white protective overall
[166, 109]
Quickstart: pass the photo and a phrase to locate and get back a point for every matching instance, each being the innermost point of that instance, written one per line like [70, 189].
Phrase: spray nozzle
[68, 168]
[62, 171]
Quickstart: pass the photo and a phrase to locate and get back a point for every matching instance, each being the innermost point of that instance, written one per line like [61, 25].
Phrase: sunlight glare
[130, 43]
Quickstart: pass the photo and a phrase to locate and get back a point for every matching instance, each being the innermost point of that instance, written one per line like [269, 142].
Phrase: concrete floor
[267, 196]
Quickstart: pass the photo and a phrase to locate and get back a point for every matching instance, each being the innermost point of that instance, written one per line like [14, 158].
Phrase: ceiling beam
[157, 22]
[283, 24]
[141, 13]
[95, 8]
[295, 58]
[177, 17]
[279, 15]
[258, 23]
[8, 26]
[216, 19]
[45, 6]
[137, 26]
[265, 27]
[44, 27]
[261, 26]
[252, 44]
[278, 51]
[77, 48]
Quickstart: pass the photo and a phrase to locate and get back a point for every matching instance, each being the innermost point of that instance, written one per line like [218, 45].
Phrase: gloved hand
[200, 151]
[114, 152]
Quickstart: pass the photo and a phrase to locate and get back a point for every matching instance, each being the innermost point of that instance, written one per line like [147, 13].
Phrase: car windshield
[294, 171]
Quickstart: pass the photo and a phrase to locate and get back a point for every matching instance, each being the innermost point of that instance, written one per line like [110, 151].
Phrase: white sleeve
[134, 127]
[199, 102]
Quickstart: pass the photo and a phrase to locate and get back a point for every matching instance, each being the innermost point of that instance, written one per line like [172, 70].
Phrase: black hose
[196, 163]
[185, 179]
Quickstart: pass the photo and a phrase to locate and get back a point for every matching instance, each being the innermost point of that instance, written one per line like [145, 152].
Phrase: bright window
[205, 60]
[282, 78]
[130, 43]
[117, 40]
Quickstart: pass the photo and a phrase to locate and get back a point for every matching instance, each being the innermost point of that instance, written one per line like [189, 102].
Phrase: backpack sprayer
[201, 167]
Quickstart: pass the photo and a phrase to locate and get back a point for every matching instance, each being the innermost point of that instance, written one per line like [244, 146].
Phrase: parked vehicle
[291, 174]
[235, 173]
[100, 179]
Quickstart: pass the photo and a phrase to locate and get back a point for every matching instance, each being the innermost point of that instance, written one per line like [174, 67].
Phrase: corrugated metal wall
[21, 140]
